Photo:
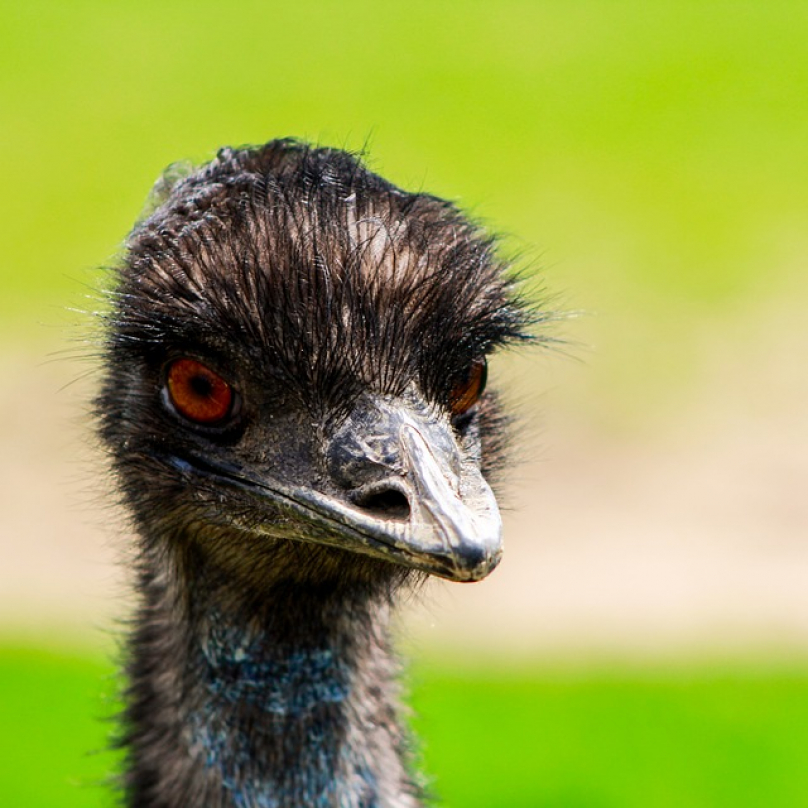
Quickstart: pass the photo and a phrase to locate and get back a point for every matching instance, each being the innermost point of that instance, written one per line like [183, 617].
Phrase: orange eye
[197, 393]
[466, 393]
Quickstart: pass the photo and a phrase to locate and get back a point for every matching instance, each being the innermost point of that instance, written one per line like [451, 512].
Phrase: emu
[293, 399]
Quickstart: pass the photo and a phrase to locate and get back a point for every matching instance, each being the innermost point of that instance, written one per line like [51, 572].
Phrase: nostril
[385, 503]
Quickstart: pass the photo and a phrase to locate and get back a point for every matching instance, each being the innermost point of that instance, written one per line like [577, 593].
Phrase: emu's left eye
[467, 391]
[199, 394]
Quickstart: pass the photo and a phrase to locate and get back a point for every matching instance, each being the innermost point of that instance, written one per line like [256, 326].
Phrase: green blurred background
[644, 642]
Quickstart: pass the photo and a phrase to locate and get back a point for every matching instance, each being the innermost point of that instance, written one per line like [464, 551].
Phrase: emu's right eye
[199, 394]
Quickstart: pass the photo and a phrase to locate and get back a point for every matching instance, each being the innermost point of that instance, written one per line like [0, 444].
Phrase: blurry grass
[557, 737]
[54, 711]
[617, 737]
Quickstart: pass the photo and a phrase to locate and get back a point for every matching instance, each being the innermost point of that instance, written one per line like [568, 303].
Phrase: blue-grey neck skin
[290, 704]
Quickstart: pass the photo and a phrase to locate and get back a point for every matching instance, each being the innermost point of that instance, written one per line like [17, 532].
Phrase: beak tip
[475, 561]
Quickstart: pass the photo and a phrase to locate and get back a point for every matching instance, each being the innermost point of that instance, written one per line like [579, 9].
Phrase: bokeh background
[645, 642]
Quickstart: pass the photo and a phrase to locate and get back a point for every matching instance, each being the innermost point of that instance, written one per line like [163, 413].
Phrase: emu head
[295, 373]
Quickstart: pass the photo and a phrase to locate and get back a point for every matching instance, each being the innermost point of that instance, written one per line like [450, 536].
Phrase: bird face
[297, 358]
[394, 478]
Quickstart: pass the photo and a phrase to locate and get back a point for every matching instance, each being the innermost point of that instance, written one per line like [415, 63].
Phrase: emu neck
[287, 701]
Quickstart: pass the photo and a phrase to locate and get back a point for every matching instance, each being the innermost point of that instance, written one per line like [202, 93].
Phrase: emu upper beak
[455, 522]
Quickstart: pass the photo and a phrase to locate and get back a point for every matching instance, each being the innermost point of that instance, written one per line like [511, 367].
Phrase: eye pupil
[201, 386]
[198, 393]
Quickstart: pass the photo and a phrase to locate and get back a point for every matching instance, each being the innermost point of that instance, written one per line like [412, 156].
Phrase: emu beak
[415, 495]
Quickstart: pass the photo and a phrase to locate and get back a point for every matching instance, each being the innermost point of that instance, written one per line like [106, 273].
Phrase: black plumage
[293, 403]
